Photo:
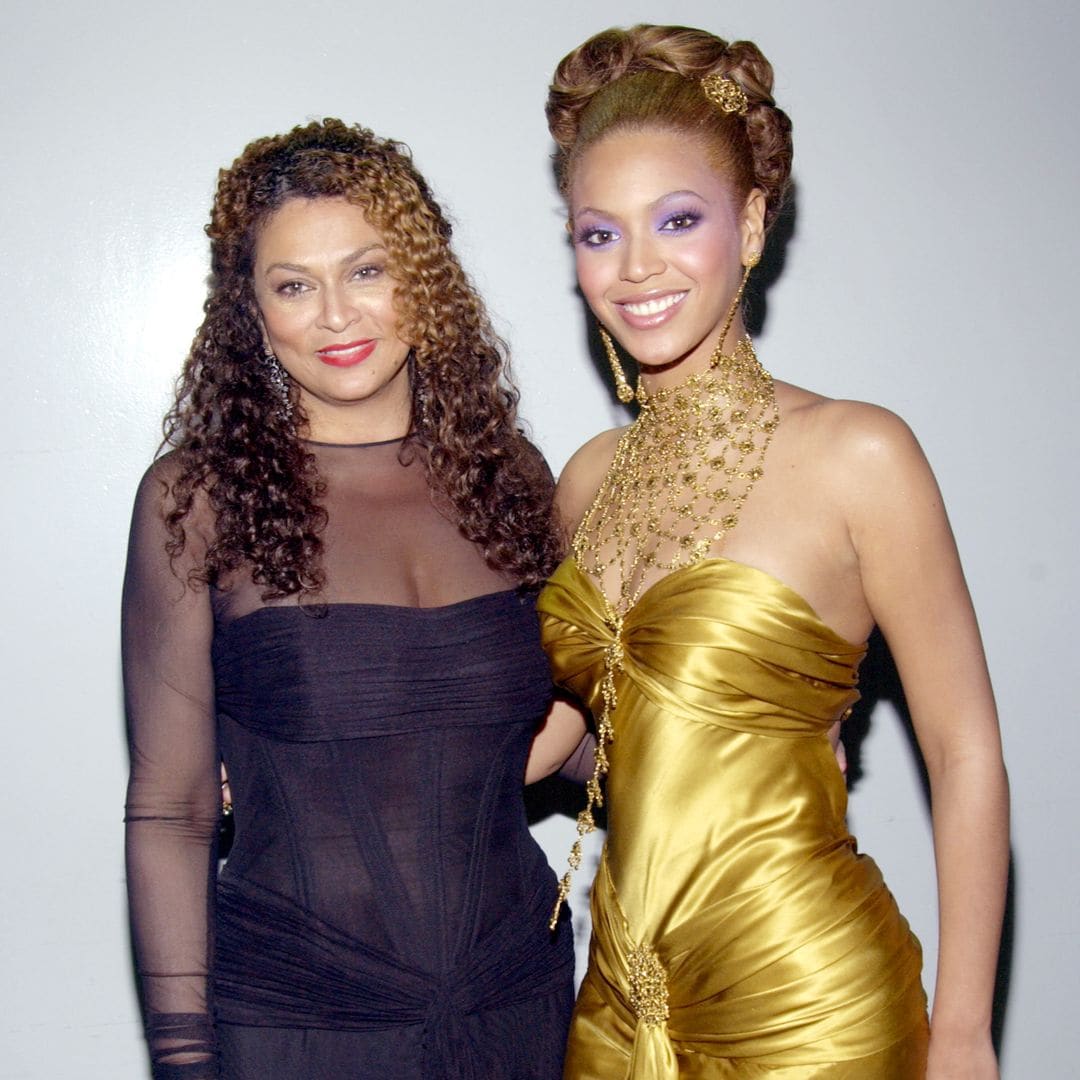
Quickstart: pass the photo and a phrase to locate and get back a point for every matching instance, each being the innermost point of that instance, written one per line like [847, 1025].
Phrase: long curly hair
[239, 447]
[651, 75]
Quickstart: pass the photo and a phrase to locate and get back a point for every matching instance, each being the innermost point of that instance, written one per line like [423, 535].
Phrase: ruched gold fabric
[727, 855]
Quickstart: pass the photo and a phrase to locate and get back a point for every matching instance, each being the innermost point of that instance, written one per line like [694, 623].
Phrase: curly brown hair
[651, 76]
[236, 443]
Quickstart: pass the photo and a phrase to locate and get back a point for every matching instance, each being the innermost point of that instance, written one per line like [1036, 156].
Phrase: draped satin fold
[727, 851]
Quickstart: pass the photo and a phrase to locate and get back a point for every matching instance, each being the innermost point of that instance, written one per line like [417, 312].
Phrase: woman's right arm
[563, 742]
[173, 792]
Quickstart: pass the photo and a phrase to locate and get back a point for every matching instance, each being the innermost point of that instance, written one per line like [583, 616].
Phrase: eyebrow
[678, 195]
[359, 253]
[656, 203]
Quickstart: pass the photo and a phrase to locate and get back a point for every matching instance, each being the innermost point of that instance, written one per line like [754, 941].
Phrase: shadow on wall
[880, 681]
[771, 267]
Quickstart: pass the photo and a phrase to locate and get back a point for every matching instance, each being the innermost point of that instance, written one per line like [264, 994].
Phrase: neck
[381, 418]
[660, 377]
[726, 373]
[355, 445]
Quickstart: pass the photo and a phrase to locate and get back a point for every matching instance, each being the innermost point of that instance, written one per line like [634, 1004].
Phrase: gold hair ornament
[726, 94]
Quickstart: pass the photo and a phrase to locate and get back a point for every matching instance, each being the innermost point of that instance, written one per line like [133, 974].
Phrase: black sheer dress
[383, 911]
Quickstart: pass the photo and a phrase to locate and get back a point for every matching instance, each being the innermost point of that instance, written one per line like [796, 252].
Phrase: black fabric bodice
[387, 800]
[382, 879]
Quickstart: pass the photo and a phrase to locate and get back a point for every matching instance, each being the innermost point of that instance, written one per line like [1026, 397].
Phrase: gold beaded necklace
[680, 476]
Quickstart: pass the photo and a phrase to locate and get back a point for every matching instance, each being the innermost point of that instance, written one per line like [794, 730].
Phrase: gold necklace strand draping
[680, 476]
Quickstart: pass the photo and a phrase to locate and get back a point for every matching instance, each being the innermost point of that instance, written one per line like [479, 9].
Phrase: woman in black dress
[330, 587]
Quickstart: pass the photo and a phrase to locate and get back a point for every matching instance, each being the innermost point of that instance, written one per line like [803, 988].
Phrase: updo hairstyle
[650, 76]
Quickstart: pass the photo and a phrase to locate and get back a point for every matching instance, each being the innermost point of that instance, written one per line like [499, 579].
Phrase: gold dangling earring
[752, 259]
[622, 388]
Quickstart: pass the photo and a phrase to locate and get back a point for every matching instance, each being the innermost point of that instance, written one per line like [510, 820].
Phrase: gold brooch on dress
[648, 986]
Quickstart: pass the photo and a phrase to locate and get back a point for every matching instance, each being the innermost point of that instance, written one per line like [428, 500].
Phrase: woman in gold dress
[732, 550]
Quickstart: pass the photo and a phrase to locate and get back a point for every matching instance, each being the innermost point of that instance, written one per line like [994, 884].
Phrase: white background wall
[933, 269]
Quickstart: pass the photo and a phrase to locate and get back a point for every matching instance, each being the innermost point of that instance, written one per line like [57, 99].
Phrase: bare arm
[561, 737]
[915, 590]
[564, 734]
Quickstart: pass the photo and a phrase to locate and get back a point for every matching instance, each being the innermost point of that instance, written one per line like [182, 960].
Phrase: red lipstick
[355, 352]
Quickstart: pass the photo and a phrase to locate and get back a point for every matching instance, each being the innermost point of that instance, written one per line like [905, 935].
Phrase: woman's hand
[956, 1057]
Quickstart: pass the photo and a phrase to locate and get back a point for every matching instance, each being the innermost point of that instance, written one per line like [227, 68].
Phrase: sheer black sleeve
[173, 791]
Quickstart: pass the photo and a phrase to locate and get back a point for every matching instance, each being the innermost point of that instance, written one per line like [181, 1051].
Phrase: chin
[659, 356]
[655, 365]
[651, 357]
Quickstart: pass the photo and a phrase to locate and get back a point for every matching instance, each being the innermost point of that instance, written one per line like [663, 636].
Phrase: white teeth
[654, 307]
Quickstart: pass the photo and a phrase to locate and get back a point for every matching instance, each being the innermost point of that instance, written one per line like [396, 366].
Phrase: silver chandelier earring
[422, 415]
[278, 380]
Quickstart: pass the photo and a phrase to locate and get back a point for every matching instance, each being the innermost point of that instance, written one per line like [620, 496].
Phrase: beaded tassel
[586, 820]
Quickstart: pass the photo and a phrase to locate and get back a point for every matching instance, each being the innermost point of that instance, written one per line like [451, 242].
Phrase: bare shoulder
[873, 442]
[583, 474]
[854, 438]
[870, 466]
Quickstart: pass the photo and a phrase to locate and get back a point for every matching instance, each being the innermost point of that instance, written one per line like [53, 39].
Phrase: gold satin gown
[736, 931]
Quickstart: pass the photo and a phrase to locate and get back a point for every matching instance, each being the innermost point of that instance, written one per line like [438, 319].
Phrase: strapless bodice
[719, 642]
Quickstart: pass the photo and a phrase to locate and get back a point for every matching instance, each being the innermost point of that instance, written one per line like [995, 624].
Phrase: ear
[752, 225]
[260, 323]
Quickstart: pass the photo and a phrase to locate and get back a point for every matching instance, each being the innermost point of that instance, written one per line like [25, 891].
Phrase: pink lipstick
[355, 352]
[645, 312]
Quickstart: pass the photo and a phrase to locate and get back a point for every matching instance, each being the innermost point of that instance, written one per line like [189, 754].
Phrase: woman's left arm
[915, 590]
[562, 735]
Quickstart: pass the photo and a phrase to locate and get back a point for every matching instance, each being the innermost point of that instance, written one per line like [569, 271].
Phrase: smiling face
[326, 304]
[659, 241]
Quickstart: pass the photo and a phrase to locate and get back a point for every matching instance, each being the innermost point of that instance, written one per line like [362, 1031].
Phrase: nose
[641, 258]
[338, 309]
